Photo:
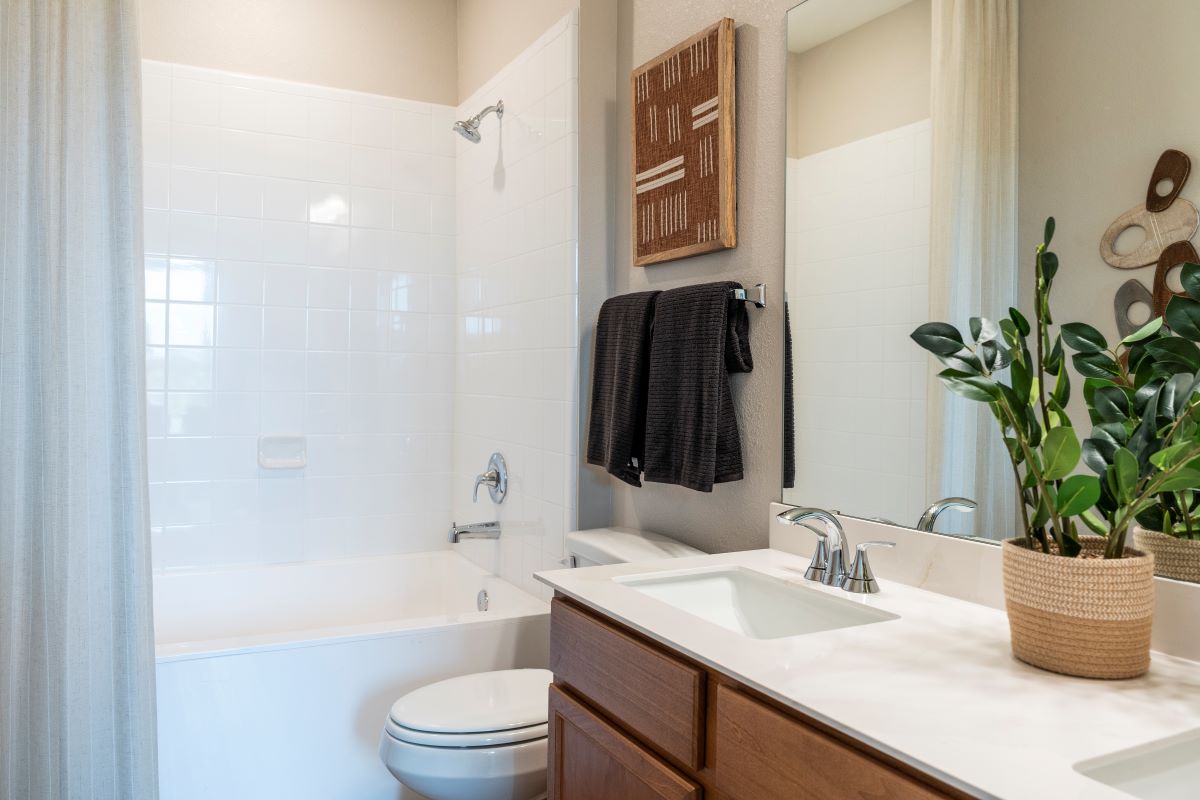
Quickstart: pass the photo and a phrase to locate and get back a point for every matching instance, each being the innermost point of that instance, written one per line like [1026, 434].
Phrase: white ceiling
[814, 22]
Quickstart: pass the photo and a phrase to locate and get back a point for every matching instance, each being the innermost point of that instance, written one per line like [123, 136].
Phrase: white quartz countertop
[937, 688]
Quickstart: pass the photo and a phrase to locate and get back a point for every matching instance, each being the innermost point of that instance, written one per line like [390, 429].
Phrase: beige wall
[1093, 121]
[872, 79]
[730, 518]
[492, 32]
[401, 48]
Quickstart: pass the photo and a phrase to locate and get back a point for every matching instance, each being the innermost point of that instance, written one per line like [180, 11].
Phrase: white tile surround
[300, 280]
[517, 345]
[858, 216]
[342, 266]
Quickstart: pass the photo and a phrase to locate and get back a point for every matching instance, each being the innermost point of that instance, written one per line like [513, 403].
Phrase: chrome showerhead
[469, 128]
[465, 129]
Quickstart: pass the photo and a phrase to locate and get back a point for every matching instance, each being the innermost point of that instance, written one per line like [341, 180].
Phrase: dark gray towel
[789, 405]
[620, 366]
[700, 335]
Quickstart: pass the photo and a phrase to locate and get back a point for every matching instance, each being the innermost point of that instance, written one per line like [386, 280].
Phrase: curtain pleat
[77, 712]
[973, 250]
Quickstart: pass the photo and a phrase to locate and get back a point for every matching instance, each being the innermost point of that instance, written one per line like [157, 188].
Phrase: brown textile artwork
[684, 200]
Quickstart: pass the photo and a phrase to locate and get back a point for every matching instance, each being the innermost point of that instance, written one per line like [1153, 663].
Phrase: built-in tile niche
[300, 279]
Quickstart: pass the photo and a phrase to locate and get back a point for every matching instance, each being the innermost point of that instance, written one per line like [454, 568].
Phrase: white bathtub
[274, 682]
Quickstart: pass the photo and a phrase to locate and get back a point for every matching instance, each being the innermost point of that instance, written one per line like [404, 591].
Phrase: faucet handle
[820, 560]
[859, 579]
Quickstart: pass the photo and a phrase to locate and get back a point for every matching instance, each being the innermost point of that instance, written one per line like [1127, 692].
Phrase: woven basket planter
[1087, 616]
[1173, 558]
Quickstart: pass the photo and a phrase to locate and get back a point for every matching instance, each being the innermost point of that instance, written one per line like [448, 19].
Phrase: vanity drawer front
[657, 697]
[763, 754]
[591, 760]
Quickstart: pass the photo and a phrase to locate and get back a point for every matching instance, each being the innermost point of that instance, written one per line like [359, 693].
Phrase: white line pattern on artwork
[707, 118]
[663, 167]
[705, 106]
[663, 181]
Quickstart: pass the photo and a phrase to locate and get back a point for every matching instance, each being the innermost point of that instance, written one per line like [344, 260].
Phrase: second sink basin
[1168, 769]
[752, 603]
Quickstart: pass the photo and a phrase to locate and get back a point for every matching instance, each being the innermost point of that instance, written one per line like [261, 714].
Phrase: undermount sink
[752, 603]
[1167, 769]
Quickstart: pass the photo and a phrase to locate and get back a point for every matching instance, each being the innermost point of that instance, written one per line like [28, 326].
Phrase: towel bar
[742, 294]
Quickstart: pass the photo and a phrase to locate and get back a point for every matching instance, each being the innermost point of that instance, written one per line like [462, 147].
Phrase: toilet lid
[480, 739]
[506, 700]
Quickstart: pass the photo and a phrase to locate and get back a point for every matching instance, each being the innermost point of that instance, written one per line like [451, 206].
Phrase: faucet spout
[835, 558]
[476, 530]
[929, 518]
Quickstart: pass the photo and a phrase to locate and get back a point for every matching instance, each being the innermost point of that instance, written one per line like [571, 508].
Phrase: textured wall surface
[731, 517]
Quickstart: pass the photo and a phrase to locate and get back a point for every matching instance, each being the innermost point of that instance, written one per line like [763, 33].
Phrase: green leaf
[1183, 479]
[963, 361]
[1169, 456]
[1060, 453]
[1100, 448]
[1111, 404]
[1126, 466]
[1095, 365]
[1049, 266]
[939, 338]
[1183, 315]
[1077, 494]
[1083, 337]
[1019, 320]
[1190, 278]
[1048, 232]
[972, 387]
[1179, 352]
[1094, 523]
[983, 329]
[1146, 331]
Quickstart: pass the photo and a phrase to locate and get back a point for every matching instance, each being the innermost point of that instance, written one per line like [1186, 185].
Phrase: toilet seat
[474, 739]
[485, 709]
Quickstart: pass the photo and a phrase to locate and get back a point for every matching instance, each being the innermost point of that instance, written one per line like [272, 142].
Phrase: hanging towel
[789, 404]
[700, 335]
[620, 367]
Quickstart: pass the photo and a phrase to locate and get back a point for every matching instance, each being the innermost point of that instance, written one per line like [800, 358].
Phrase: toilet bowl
[474, 737]
[484, 736]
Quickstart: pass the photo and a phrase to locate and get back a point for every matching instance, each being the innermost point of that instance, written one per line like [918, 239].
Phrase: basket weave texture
[1173, 558]
[1088, 616]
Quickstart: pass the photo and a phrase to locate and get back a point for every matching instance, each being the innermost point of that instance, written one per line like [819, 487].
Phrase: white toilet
[483, 736]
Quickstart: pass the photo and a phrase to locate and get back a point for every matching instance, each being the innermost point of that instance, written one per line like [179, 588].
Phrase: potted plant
[1079, 600]
[1142, 404]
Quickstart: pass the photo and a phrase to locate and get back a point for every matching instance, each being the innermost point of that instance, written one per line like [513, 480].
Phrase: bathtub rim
[222, 647]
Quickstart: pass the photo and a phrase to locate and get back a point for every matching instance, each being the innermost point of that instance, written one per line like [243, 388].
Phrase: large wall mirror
[927, 142]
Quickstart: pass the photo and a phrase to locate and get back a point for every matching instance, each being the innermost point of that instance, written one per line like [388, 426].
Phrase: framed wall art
[684, 164]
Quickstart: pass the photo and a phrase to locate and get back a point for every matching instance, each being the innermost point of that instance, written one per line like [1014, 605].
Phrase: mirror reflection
[927, 142]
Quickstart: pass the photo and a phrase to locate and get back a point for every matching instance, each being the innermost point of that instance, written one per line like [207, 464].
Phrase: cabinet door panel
[657, 697]
[591, 760]
[763, 754]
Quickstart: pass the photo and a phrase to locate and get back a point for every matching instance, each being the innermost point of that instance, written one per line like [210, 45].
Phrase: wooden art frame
[684, 149]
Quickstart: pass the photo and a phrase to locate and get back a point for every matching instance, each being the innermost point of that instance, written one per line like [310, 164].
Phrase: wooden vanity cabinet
[633, 720]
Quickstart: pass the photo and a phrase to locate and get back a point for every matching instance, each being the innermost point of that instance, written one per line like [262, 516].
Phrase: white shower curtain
[973, 253]
[77, 713]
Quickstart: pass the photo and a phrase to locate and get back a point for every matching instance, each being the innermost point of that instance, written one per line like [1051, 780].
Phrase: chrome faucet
[496, 479]
[828, 563]
[476, 530]
[929, 518]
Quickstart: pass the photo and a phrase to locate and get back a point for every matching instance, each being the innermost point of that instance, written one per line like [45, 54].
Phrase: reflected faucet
[929, 518]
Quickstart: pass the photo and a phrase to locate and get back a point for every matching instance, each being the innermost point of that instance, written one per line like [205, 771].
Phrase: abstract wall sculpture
[1169, 222]
[684, 187]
